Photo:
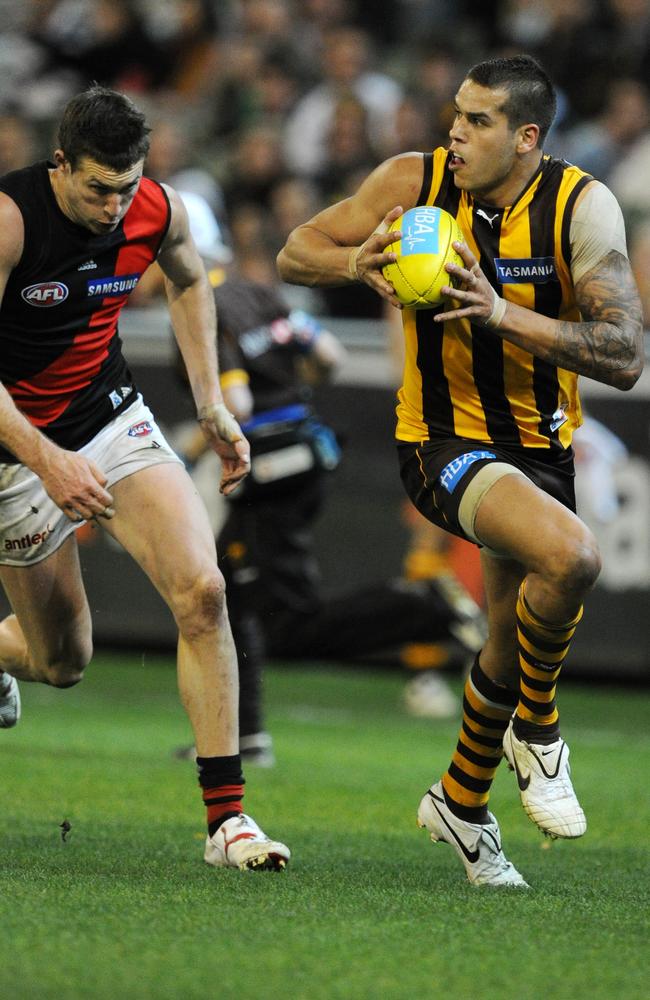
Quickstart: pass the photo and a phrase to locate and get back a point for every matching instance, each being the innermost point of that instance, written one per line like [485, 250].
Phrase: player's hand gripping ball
[419, 273]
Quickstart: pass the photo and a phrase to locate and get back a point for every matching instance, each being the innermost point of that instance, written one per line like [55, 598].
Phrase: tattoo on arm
[607, 346]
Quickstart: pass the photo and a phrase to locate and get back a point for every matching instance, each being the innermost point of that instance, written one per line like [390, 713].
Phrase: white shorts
[32, 527]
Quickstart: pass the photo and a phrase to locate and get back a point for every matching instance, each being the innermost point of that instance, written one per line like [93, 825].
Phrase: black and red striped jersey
[60, 351]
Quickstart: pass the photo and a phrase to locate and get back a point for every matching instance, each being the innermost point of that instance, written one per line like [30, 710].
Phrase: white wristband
[352, 262]
[495, 318]
[353, 256]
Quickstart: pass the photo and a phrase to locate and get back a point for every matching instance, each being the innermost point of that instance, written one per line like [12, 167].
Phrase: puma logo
[488, 218]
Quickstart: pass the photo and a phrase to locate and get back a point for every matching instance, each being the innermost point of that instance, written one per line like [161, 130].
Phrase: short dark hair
[104, 126]
[531, 95]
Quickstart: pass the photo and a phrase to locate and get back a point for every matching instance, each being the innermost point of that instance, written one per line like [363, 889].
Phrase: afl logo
[140, 430]
[45, 294]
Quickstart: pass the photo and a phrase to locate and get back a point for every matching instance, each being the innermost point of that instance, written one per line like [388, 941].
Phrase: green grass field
[369, 908]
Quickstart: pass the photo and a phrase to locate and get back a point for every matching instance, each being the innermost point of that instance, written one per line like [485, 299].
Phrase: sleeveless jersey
[60, 352]
[462, 380]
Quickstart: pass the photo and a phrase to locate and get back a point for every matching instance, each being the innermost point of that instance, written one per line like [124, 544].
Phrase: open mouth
[455, 161]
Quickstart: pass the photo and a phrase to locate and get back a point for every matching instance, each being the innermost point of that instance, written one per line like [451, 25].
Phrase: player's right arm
[347, 242]
[74, 483]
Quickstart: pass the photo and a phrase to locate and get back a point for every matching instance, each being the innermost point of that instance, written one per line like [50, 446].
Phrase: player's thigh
[49, 601]
[162, 523]
[517, 519]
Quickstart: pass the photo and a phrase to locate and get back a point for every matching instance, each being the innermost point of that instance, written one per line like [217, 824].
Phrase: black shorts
[436, 474]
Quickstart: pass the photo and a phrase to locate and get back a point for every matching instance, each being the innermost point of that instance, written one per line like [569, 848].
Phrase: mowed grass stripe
[369, 908]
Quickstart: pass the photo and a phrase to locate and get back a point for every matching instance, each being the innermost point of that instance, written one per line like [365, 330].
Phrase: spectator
[256, 166]
[414, 126]
[596, 144]
[572, 39]
[104, 40]
[191, 53]
[177, 157]
[292, 200]
[349, 152]
[345, 62]
[17, 143]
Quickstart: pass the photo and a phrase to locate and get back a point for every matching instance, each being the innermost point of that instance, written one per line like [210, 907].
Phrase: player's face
[95, 196]
[483, 146]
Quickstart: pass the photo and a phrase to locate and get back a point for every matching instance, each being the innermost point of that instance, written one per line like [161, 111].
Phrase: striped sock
[487, 709]
[222, 787]
[543, 647]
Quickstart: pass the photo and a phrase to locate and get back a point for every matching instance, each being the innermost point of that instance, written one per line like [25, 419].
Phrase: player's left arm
[193, 315]
[607, 343]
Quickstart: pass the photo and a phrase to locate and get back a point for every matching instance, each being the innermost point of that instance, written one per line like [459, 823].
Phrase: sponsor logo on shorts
[45, 294]
[454, 471]
[117, 284]
[27, 541]
[140, 429]
[525, 270]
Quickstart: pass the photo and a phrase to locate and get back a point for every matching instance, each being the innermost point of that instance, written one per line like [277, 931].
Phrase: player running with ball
[77, 442]
[487, 410]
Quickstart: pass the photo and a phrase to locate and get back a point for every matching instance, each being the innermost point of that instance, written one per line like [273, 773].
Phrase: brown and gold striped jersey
[462, 380]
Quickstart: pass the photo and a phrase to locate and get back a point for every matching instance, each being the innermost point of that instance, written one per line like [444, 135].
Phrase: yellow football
[419, 273]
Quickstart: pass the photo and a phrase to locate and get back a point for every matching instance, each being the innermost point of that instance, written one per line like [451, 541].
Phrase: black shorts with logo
[437, 473]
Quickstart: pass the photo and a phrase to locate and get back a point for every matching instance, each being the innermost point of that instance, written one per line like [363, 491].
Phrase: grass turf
[368, 908]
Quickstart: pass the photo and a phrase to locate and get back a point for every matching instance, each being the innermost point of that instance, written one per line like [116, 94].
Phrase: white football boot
[9, 701]
[547, 795]
[239, 843]
[478, 845]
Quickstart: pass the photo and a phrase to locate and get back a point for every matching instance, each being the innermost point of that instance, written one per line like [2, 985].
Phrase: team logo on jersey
[117, 396]
[559, 417]
[533, 270]
[489, 218]
[45, 294]
[117, 284]
[140, 429]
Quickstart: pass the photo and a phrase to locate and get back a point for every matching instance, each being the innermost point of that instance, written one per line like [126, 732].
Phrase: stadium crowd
[272, 109]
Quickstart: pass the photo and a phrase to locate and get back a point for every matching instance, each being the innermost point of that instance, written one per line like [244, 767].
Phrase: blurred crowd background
[268, 110]
[271, 109]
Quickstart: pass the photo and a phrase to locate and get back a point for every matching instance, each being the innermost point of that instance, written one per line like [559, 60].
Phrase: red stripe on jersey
[48, 395]
[45, 396]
